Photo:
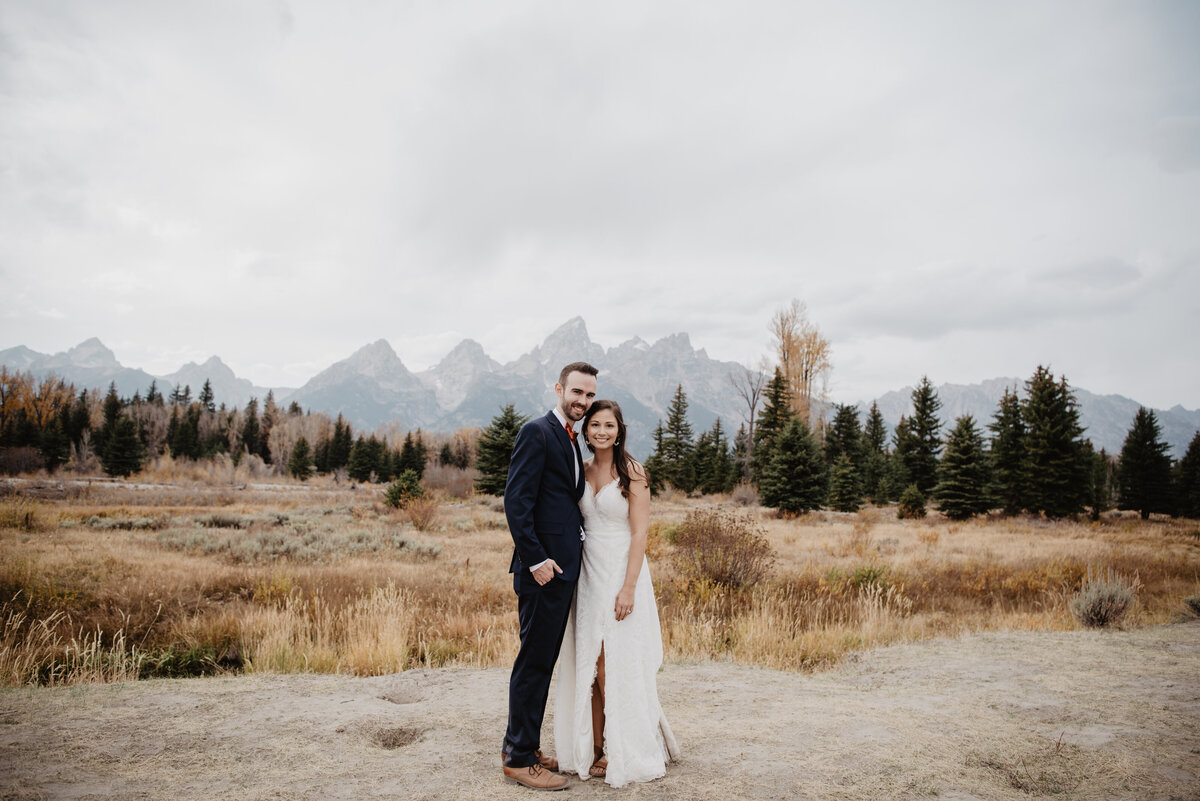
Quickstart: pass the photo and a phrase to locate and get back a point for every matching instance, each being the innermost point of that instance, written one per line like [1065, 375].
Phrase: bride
[607, 719]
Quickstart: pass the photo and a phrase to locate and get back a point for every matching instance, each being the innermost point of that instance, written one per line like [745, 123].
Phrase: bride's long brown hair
[621, 459]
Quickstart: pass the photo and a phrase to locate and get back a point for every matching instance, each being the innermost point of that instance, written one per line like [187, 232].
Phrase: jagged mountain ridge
[372, 387]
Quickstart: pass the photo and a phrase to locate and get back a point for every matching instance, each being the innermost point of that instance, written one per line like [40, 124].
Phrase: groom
[541, 502]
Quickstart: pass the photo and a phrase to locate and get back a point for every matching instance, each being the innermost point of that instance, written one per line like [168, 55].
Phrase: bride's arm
[639, 527]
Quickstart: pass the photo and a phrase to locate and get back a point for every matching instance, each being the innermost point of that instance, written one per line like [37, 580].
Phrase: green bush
[912, 504]
[404, 489]
[1103, 600]
[723, 547]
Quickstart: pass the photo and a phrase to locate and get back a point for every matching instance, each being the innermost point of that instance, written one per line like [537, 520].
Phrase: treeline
[46, 424]
[1032, 458]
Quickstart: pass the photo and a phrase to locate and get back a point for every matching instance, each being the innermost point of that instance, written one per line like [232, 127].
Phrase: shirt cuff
[539, 564]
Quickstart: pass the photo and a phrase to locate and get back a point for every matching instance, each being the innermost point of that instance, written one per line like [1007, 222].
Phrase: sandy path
[1111, 715]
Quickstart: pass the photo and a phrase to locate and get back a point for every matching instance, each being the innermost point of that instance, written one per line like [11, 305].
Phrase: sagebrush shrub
[422, 512]
[1103, 600]
[723, 547]
[1192, 604]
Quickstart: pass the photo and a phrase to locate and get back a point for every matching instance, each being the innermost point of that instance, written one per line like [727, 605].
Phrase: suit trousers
[542, 612]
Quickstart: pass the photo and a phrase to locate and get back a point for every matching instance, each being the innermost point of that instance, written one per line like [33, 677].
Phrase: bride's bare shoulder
[636, 471]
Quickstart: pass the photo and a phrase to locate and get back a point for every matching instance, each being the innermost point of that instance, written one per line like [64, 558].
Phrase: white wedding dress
[638, 741]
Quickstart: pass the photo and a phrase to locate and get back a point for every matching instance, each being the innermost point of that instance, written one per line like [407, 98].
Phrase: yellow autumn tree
[804, 359]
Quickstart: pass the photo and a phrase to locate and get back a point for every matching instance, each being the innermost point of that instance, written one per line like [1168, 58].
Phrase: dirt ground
[1076, 715]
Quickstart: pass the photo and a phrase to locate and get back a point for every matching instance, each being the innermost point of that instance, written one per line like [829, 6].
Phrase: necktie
[570, 431]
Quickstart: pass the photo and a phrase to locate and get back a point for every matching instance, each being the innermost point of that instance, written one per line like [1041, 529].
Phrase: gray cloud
[286, 181]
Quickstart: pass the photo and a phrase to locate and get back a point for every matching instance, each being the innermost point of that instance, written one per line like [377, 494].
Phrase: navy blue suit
[541, 503]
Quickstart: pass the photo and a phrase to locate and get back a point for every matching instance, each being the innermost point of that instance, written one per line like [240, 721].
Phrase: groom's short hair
[576, 367]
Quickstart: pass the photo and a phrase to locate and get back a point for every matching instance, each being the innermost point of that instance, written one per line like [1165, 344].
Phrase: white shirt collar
[561, 419]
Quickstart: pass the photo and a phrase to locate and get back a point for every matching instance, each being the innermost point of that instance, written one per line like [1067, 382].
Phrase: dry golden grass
[117, 580]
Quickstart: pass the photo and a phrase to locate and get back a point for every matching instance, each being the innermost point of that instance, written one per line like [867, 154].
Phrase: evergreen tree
[1187, 481]
[367, 459]
[921, 460]
[300, 462]
[80, 421]
[654, 465]
[112, 413]
[153, 395]
[207, 399]
[772, 420]
[1100, 483]
[55, 445]
[741, 454]
[677, 445]
[186, 440]
[962, 489]
[1144, 467]
[1058, 464]
[875, 460]
[494, 450]
[250, 430]
[269, 417]
[1010, 461]
[714, 466]
[321, 456]
[795, 479]
[845, 494]
[897, 478]
[446, 455]
[123, 453]
[413, 455]
[340, 444]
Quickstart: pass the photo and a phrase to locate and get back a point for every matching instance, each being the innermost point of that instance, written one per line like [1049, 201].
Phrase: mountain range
[372, 386]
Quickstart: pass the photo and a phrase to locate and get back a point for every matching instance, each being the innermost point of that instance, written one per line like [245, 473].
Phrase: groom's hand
[546, 571]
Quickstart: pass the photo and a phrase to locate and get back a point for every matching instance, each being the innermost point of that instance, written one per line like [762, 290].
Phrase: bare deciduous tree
[749, 385]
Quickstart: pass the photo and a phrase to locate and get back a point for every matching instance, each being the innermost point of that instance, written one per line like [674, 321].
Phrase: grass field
[107, 581]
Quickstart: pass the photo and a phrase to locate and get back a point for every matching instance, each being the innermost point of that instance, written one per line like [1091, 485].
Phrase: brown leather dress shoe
[535, 777]
[549, 763]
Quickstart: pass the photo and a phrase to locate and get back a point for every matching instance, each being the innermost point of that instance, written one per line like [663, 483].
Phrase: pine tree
[494, 450]
[772, 420]
[1058, 464]
[1100, 483]
[300, 462]
[250, 431]
[741, 454]
[714, 466]
[875, 461]
[112, 413]
[962, 489]
[1144, 467]
[123, 453]
[795, 479]
[654, 465]
[1187, 481]
[412, 455]
[844, 437]
[340, 444]
[269, 417]
[897, 478]
[153, 395]
[55, 445]
[1010, 461]
[677, 445]
[80, 420]
[207, 400]
[921, 460]
[845, 495]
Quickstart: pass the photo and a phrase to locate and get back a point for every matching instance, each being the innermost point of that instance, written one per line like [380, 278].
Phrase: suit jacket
[541, 500]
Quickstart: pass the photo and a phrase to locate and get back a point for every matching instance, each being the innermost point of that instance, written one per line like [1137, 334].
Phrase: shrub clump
[1192, 604]
[1103, 600]
[912, 504]
[403, 490]
[723, 547]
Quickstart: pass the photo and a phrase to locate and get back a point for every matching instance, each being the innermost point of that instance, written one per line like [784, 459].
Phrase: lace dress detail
[638, 740]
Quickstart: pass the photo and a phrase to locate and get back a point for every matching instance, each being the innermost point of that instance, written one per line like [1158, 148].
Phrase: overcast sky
[957, 189]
